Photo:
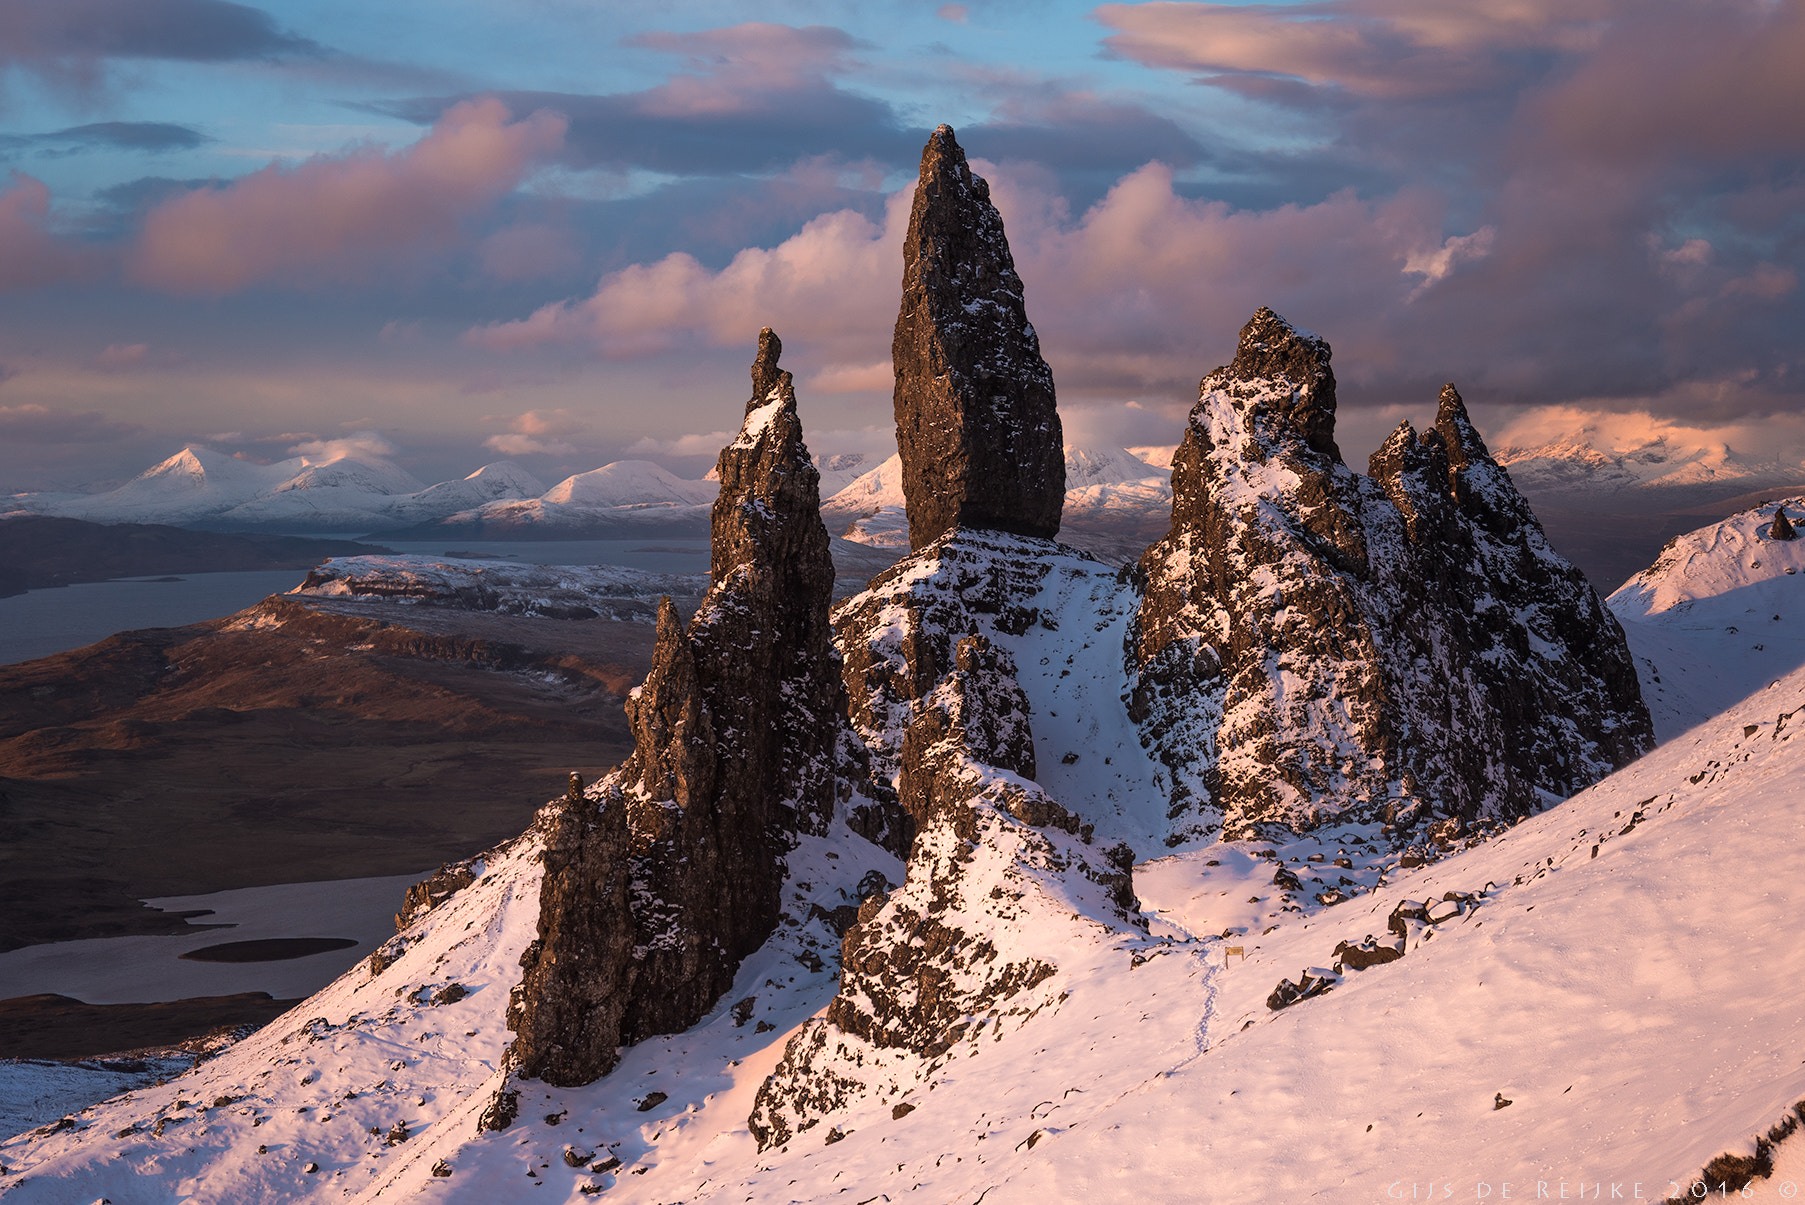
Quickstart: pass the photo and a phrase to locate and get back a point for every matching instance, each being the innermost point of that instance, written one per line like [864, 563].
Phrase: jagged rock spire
[1313, 642]
[976, 422]
[1782, 528]
[661, 878]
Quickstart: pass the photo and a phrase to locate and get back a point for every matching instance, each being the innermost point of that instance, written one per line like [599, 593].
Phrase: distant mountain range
[1575, 468]
[1610, 509]
[1607, 508]
[1109, 488]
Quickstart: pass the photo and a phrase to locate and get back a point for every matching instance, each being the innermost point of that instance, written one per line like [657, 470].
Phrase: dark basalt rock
[1314, 643]
[944, 716]
[976, 423]
[1782, 528]
[661, 878]
[435, 889]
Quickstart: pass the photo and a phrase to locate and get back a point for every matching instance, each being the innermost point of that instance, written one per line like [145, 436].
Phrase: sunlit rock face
[1313, 642]
[976, 427]
[664, 876]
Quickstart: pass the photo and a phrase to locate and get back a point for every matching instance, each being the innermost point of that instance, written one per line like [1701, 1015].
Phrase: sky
[550, 230]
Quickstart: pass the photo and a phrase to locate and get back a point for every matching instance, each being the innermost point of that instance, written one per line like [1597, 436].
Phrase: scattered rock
[1782, 528]
[898, 1112]
[502, 1109]
[1310, 983]
[441, 1168]
[577, 1157]
[1498, 1102]
[652, 1101]
[434, 890]
[1369, 953]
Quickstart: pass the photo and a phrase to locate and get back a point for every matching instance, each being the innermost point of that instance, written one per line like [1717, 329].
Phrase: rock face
[976, 427]
[1314, 643]
[1003, 884]
[662, 877]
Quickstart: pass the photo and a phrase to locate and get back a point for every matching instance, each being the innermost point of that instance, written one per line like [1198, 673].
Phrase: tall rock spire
[976, 423]
[661, 878]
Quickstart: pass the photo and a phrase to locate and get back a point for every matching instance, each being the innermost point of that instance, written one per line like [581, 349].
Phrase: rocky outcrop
[662, 877]
[1782, 528]
[976, 426]
[1003, 883]
[1314, 643]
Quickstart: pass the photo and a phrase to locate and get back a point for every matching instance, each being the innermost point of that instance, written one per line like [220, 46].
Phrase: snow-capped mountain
[195, 484]
[1717, 617]
[504, 480]
[1107, 489]
[631, 495]
[1666, 468]
[202, 486]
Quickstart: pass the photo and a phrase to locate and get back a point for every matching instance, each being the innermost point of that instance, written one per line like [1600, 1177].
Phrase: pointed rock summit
[1404, 645]
[661, 878]
[976, 423]
[1782, 528]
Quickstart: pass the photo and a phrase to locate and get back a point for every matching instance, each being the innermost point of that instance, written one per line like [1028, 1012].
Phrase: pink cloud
[32, 255]
[739, 61]
[122, 355]
[823, 280]
[527, 251]
[342, 218]
[1717, 81]
[1389, 49]
[1118, 296]
[542, 432]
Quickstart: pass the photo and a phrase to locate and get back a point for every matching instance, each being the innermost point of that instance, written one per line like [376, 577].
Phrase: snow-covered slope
[1720, 614]
[343, 493]
[196, 483]
[1619, 968]
[368, 493]
[626, 493]
[496, 482]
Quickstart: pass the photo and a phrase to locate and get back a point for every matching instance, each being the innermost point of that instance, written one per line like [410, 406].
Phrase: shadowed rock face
[976, 423]
[661, 878]
[1315, 643]
[949, 945]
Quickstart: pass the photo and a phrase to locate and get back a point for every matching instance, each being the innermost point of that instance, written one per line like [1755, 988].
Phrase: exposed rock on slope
[976, 427]
[1314, 642]
[661, 878]
[1002, 879]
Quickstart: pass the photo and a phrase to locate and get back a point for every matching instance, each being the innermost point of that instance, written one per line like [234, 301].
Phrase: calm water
[41, 622]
